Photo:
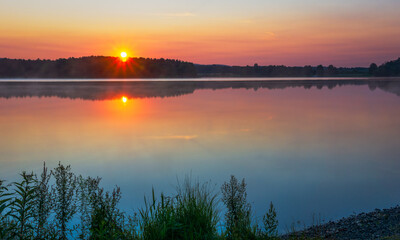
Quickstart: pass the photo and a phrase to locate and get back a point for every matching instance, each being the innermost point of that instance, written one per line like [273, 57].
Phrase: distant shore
[95, 67]
[196, 79]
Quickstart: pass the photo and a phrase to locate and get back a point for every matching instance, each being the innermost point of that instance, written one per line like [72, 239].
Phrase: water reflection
[310, 147]
[142, 89]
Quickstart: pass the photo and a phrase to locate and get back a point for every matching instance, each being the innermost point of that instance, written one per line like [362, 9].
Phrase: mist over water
[311, 147]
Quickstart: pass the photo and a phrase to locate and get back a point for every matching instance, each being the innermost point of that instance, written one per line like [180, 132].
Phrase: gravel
[379, 224]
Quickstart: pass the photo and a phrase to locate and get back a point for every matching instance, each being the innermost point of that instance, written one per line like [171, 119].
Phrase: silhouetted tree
[372, 68]
[96, 67]
[389, 69]
[320, 71]
[112, 67]
[331, 71]
[308, 71]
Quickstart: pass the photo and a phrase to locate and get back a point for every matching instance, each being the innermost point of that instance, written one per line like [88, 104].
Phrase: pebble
[379, 224]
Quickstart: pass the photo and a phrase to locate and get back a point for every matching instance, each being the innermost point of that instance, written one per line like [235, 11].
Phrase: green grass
[192, 212]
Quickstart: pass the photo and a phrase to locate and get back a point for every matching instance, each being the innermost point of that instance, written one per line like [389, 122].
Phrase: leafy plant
[237, 217]
[85, 189]
[43, 203]
[22, 206]
[270, 222]
[5, 201]
[106, 218]
[37, 210]
[5, 198]
[65, 206]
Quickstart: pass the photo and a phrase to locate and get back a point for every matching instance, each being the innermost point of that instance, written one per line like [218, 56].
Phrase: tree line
[113, 67]
[388, 69]
[279, 71]
[96, 67]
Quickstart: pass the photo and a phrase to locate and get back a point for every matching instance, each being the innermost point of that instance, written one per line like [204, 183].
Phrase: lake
[322, 147]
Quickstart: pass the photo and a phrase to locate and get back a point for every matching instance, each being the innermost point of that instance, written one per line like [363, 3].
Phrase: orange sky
[290, 32]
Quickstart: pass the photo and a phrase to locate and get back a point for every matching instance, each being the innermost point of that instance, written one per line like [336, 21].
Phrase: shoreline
[198, 79]
[378, 224]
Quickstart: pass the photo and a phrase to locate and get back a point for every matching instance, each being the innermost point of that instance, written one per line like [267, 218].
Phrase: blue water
[315, 149]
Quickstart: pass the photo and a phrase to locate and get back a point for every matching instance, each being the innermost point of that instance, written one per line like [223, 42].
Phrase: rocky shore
[379, 224]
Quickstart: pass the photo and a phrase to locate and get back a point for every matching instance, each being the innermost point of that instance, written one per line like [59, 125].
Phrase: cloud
[178, 137]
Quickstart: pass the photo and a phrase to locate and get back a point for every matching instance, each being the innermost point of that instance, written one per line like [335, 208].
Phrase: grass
[34, 209]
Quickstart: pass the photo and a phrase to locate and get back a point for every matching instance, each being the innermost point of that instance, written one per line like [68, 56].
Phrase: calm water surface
[329, 149]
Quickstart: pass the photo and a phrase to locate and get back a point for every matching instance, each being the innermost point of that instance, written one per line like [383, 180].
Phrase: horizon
[182, 60]
[291, 33]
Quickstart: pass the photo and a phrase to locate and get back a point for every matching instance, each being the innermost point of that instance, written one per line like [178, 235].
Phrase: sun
[124, 56]
[124, 99]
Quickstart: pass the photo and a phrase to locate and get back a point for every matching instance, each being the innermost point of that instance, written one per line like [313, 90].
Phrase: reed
[43, 208]
[197, 209]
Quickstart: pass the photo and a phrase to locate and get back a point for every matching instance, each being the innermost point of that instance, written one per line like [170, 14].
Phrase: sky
[233, 32]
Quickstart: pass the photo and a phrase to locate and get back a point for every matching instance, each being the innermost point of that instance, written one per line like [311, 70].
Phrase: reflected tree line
[112, 67]
[149, 89]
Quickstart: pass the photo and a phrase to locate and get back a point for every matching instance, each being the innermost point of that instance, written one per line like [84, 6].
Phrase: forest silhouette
[96, 67]
[114, 67]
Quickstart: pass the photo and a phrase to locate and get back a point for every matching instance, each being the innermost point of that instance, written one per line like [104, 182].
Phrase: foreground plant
[65, 206]
[270, 223]
[5, 201]
[237, 217]
[106, 219]
[86, 187]
[34, 209]
[158, 218]
[22, 206]
[43, 204]
[191, 214]
[196, 210]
